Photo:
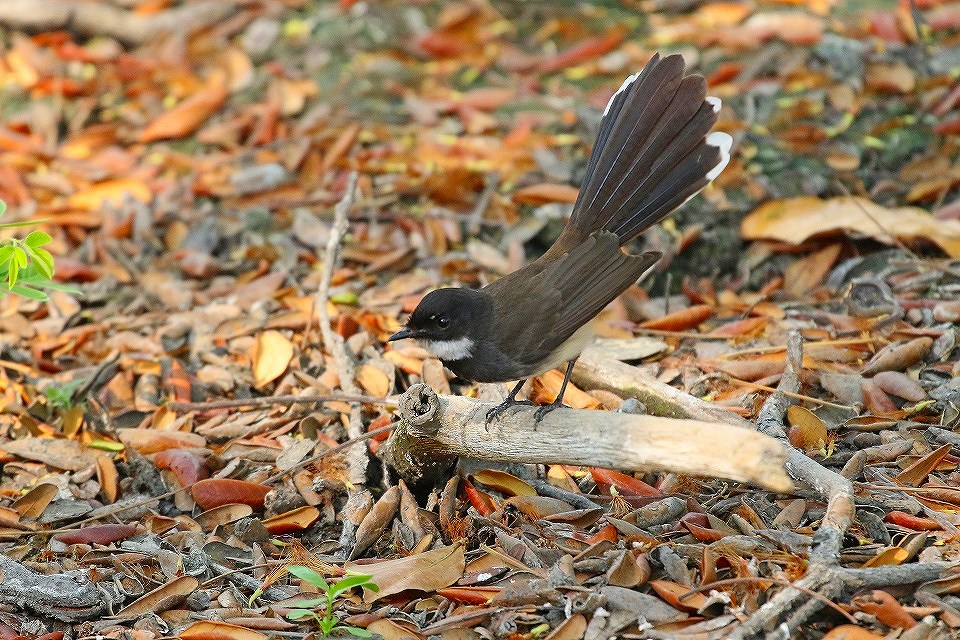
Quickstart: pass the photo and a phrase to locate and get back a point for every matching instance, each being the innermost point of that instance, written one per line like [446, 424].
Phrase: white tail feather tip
[714, 102]
[724, 142]
[626, 83]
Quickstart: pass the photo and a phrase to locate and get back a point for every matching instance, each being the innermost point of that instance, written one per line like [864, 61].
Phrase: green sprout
[25, 267]
[321, 609]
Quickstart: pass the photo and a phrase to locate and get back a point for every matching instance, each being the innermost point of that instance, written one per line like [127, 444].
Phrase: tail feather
[654, 151]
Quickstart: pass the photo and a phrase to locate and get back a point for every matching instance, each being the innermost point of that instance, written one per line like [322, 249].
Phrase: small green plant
[25, 267]
[60, 396]
[321, 609]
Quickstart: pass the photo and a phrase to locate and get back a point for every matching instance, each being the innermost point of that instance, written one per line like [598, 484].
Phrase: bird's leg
[558, 401]
[506, 404]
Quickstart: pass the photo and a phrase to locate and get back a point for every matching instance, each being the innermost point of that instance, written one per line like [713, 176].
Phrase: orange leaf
[108, 192]
[273, 354]
[586, 49]
[214, 492]
[681, 320]
[912, 522]
[469, 595]
[296, 520]
[915, 474]
[626, 485]
[545, 193]
[184, 118]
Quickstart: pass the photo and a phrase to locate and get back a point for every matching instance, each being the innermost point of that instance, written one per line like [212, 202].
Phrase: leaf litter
[188, 183]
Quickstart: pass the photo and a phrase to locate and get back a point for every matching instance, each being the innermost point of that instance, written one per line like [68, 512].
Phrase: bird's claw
[495, 412]
[544, 410]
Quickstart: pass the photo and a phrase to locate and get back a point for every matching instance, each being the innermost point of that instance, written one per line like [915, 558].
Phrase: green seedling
[321, 609]
[26, 268]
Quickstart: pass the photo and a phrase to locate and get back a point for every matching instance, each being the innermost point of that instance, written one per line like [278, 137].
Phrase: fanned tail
[654, 151]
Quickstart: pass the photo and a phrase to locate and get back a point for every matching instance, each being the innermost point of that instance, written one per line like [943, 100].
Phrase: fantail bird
[654, 151]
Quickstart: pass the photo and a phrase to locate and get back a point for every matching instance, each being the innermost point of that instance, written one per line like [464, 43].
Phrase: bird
[655, 150]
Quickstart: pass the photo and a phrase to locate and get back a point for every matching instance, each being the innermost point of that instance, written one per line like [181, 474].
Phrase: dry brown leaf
[148, 441]
[109, 192]
[807, 431]
[572, 628]
[505, 482]
[184, 118]
[373, 380]
[215, 630]
[32, 504]
[797, 219]
[160, 599]
[851, 632]
[544, 193]
[224, 514]
[273, 354]
[294, 520]
[806, 273]
[62, 454]
[427, 571]
[915, 474]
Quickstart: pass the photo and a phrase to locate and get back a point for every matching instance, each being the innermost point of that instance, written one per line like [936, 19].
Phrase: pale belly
[567, 351]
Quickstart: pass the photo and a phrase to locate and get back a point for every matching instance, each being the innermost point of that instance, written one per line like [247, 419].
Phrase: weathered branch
[824, 574]
[456, 426]
[91, 18]
[594, 371]
[69, 597]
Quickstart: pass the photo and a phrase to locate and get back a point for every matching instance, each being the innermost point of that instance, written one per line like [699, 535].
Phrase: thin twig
[780, 581]
[340, 447]
[789, 394]
[285, 399]
[332, 341]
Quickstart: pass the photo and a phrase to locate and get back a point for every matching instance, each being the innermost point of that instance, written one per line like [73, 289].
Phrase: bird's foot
[544, 410]
[495, 412]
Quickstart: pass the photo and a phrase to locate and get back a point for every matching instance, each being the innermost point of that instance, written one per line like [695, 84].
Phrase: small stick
[789, 394]
[284, 399]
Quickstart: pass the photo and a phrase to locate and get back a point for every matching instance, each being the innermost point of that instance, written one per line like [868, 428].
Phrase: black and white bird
[654, 151]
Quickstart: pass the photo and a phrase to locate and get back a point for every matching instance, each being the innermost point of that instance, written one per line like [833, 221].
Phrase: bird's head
[447, 323]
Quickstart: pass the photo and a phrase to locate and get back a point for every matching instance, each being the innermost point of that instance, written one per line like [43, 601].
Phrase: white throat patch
[449, 349]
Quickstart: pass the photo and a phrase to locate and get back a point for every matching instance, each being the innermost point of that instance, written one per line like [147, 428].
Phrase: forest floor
[246, 198]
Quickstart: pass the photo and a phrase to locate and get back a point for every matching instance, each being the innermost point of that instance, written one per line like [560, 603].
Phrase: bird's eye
[443, 322]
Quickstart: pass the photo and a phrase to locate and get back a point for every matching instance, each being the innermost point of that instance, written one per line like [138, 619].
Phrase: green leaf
[36, 239]
[105, 445]
[346, 297]
[6, 253]
[3, 207]
[353, 581]
[311, 576]
[21, 257]
[310, 603]
[356, 631]
[46, 284]
[22, 223]
[300, 614]
[39, 266]
[27, 292]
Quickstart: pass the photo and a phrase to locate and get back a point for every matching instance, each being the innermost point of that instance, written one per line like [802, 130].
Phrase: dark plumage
[653, 152]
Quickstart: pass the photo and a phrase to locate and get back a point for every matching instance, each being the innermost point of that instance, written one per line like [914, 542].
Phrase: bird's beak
[400, 335]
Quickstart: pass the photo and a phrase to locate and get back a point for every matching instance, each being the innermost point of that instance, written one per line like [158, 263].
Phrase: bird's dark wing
[557, 298]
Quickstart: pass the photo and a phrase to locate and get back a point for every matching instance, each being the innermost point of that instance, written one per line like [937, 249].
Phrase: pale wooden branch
[456, 426]
[594, 371]
[90, 18]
